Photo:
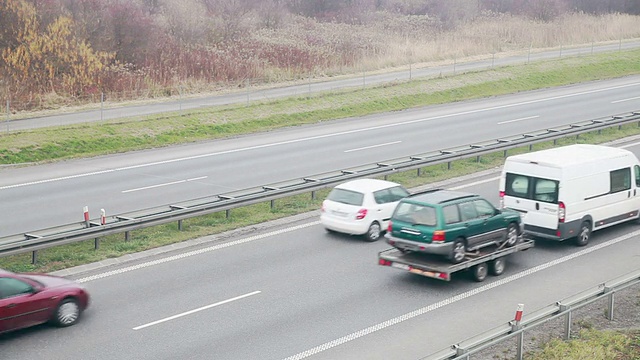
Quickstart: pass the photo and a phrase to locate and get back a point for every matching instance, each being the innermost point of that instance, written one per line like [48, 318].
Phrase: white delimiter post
[515, 326]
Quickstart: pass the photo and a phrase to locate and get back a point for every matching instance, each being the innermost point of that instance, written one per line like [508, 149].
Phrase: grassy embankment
[131, 134]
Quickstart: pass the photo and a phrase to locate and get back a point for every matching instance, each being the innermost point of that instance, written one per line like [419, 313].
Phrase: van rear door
[536, 199]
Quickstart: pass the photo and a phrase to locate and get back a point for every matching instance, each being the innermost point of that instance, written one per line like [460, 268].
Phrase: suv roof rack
[462, 196]
[426, 191]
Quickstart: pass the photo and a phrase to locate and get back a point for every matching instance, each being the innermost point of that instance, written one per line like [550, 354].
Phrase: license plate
[339, 213]
[400, 266]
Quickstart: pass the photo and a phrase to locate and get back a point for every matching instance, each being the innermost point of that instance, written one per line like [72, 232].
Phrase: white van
[570, 191]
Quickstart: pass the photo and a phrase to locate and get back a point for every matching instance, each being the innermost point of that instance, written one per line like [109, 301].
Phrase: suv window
[416, 214]
[451, 214]
[484, 208]
[346, 196]
[468, 211]
[10, 287]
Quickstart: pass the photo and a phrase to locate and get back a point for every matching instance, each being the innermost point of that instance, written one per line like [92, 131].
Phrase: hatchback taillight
[361, 214]
[438, 236]
[562, 212]
[389, 227]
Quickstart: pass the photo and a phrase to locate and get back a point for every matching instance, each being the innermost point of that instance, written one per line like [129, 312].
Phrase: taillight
[501, 199]
[562, 212]
[438, 236]
[389, 227]
[361, 214]
[384, 262]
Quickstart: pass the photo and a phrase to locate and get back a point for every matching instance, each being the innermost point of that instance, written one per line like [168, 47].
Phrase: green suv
[451, 223]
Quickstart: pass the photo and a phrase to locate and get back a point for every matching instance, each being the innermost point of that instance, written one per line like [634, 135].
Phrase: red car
[32, 299]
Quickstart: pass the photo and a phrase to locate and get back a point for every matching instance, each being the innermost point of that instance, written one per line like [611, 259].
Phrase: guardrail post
[567, 321]
[555, 141]
[478, 158]
[180, 225]
[619, 127]
[228, 213]
[313, 195]
[449, 165]
[420, 169]
[34, 256]
[273, 204]
[611, 292]
[126, 236]
[504, 153]
[531, 146]
[96, 243]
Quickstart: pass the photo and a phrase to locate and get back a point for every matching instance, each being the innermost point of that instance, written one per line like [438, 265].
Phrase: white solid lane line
[373, 146]
[164, 184]
[196, 310]
[520, 119]
[416, 121]
[623, 100]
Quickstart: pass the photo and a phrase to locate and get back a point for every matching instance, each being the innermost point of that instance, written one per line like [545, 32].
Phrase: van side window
[620, 180]
[517, 185]
[637, 171]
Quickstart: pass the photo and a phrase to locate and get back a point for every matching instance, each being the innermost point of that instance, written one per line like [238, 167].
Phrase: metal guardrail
[563, 308]
[124, 223]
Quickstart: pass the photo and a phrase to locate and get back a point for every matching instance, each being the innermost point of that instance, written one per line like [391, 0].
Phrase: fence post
[101, 104]
[8, 112]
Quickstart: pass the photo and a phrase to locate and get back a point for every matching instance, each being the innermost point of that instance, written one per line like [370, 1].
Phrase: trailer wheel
[584, 234]
[479, 272]
[458, 251]
[497, 266]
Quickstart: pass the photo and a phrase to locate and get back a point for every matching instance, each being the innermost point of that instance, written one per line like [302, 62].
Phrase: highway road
[295, 292]
[358, 80]
[37, 197]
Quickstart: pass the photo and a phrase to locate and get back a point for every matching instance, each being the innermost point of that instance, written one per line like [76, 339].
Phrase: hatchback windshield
[346, 196]
[416, 214]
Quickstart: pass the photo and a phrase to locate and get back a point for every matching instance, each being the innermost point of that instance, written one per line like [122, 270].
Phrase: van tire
[584, 234]
[458, 251]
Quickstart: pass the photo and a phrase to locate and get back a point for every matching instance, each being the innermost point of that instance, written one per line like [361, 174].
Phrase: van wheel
[458, 251]
[479, 272]
[373, 234]
[584, 234]
[497, 266]
[512, 235]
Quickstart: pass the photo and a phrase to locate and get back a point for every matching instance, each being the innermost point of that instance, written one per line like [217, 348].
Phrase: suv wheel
[512, 235]
[584, 234]
[458, 251]
[373, 234]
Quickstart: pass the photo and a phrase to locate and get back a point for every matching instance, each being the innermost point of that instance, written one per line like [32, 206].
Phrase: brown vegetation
[52, 50]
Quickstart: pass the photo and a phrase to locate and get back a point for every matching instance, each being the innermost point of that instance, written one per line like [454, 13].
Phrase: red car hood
[49, 280]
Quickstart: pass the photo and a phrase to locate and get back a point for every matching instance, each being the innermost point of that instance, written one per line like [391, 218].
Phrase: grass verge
[593, 345]
[64, 142]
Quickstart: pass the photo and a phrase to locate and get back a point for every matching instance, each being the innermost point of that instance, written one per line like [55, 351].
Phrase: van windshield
[532, 188]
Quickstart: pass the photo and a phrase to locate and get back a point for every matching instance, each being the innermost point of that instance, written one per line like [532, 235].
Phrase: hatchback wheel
[584, 234]
[67, 313]
[512, 235]
[458, 251]
[373, 234]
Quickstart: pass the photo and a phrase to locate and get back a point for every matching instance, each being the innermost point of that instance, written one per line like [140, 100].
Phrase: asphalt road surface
[295, 292]
[38, 197]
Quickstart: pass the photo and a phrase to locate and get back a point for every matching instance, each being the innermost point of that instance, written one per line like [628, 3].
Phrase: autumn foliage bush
[71, 50]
